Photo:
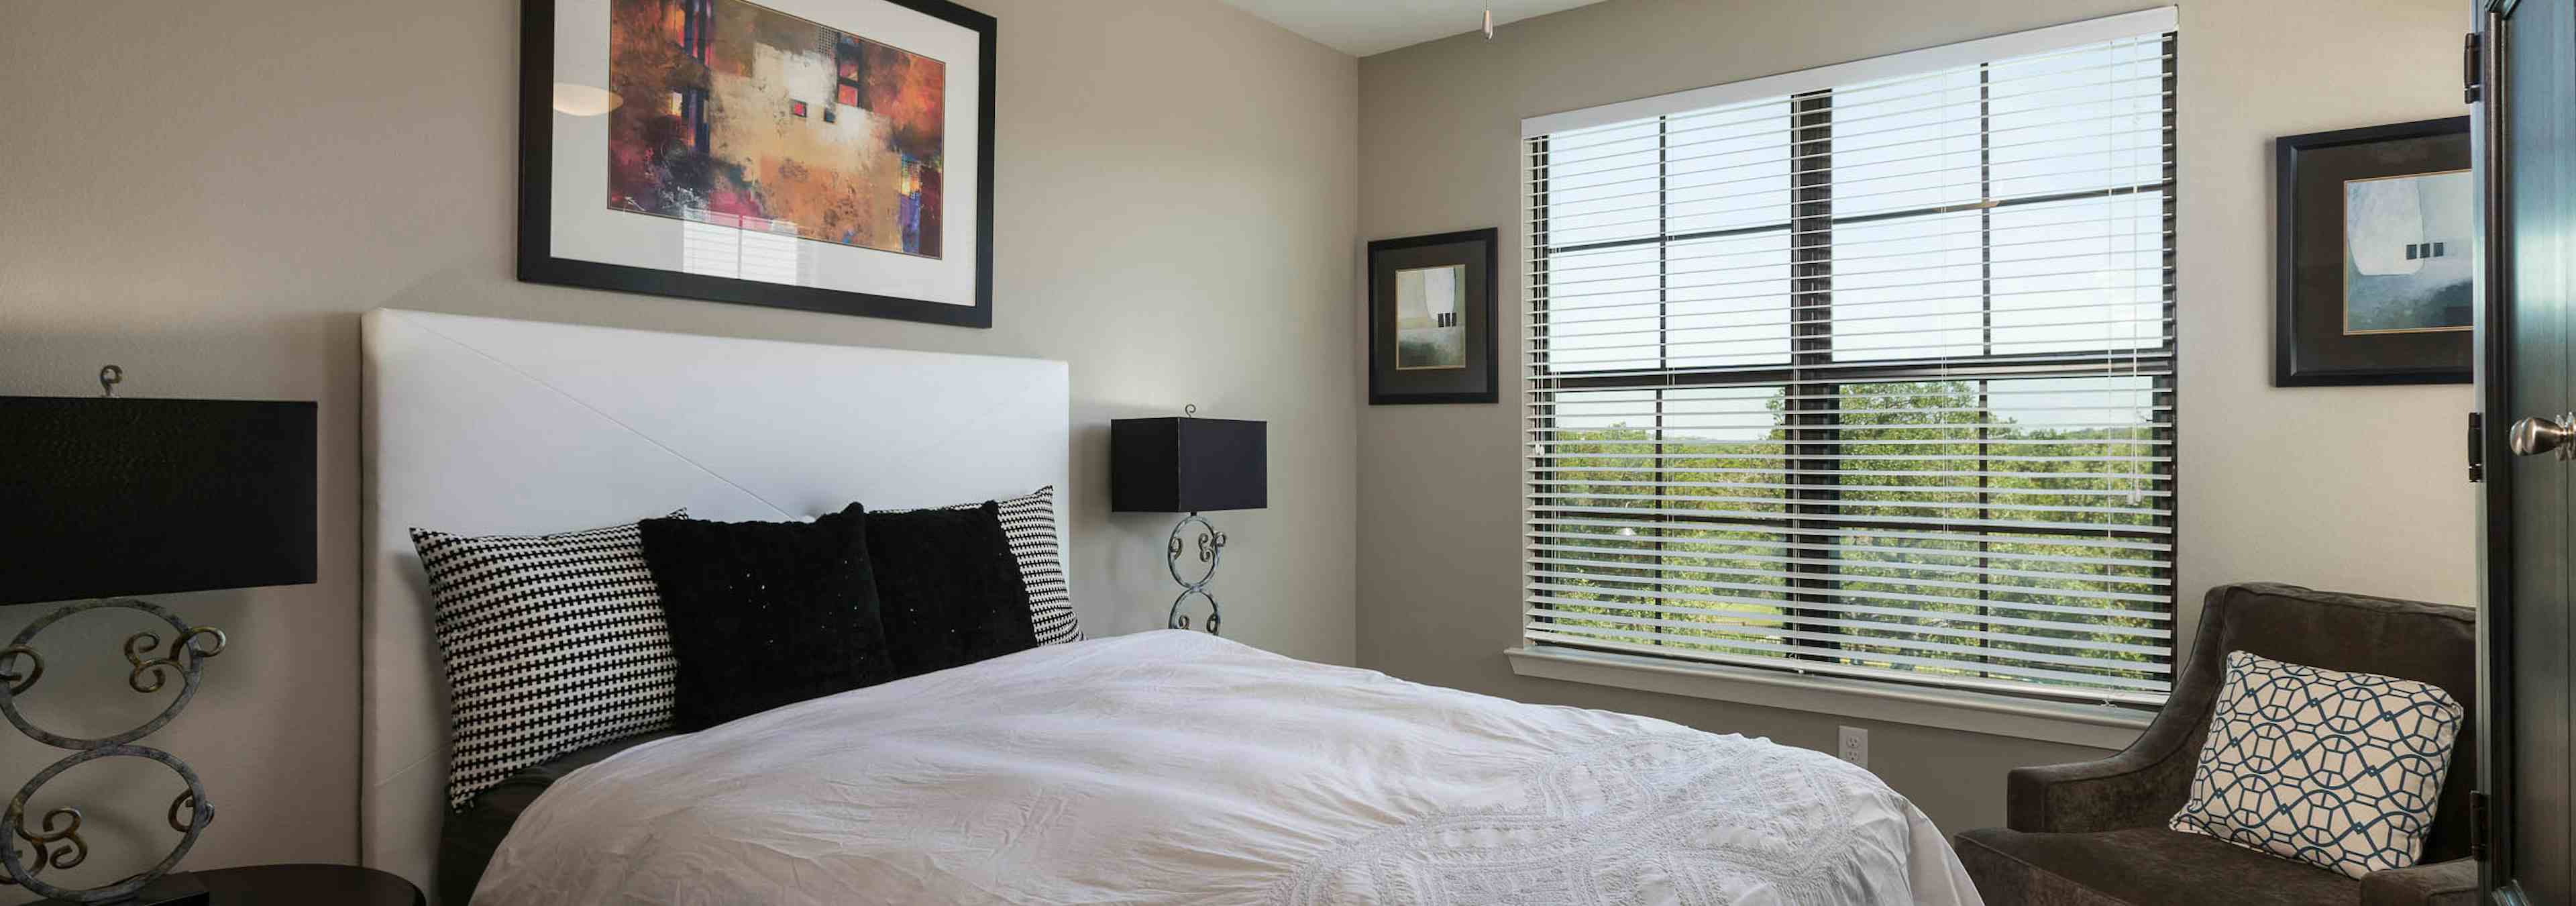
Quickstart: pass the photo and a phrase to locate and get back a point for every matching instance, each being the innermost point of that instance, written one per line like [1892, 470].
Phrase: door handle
[2534, 436]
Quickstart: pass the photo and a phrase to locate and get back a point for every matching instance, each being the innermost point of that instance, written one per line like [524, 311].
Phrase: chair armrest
[2136, 788]
[2144, 784]
[2452, 883]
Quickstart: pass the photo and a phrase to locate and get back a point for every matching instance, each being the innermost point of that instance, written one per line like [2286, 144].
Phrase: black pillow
[948, 588]
[765, 614]
[1029, 521]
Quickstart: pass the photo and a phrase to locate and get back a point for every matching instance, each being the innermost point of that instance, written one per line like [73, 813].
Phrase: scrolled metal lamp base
[1211, 545]
[57, 841]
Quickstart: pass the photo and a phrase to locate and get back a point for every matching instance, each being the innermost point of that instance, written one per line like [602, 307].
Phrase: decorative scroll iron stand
[1211, 545]
[61, 847]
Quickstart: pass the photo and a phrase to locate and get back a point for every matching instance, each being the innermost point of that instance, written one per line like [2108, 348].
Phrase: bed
[1154, 767]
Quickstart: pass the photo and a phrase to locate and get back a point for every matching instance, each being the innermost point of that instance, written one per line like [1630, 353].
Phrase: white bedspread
[1176, 768]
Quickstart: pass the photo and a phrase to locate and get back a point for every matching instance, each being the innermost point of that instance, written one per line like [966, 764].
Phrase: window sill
[2099, 726]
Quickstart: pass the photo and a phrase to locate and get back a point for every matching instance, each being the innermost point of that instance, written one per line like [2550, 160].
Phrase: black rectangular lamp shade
[1188, 465]
[108, 497]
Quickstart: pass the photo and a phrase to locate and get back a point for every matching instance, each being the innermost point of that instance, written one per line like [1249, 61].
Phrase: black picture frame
[537, 264]
[1476, 253]
[2309, 266]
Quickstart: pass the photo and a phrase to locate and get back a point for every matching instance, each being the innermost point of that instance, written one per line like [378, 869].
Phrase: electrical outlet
[1854, 746]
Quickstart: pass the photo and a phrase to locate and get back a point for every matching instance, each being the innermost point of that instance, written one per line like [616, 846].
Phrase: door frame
[2489, 52]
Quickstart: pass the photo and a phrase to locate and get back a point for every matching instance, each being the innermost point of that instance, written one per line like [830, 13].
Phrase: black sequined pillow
[764, 614]
[1029, 521]
[948, 589]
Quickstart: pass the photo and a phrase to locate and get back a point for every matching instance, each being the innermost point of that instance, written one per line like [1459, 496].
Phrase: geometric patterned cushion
[2340, 770]
[1029, 520]
[553, 643]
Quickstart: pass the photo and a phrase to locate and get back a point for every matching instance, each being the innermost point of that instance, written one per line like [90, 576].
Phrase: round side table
[296, 885]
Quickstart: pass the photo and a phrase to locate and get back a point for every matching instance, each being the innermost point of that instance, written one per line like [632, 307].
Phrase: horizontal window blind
[1869, 379]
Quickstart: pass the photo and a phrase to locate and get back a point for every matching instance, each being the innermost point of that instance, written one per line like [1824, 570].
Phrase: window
[1865, 371]
[741, 247]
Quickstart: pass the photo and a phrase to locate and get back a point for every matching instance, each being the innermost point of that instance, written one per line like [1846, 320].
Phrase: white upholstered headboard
[489, 426]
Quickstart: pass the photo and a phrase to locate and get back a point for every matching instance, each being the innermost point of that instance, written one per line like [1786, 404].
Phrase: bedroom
[1183, 196]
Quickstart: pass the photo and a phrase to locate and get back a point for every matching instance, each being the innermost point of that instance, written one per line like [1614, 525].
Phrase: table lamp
[1189, 465]
[106, 497]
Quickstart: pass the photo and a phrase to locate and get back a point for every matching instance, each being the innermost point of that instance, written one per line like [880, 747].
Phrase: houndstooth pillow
[553, 643]
[2340, 770]
[1029, 521]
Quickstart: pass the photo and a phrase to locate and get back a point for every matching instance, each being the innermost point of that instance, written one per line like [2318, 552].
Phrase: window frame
[1810, 373]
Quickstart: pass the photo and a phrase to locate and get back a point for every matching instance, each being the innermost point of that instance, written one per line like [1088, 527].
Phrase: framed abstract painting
[2377, 258]
[824, 155]
[1431, 318]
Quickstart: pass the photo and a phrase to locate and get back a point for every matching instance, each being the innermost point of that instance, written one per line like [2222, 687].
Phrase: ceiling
[1364, 27]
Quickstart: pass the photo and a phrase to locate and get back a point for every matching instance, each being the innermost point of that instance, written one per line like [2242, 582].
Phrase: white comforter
[1174, 767]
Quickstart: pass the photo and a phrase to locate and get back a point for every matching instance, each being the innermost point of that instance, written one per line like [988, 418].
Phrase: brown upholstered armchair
[2093, 834]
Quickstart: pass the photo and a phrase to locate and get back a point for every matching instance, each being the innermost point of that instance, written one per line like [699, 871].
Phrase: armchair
[2093, 834]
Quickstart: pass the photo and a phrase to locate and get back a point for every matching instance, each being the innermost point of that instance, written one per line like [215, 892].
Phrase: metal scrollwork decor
[56, 839]
[74, 851]
[1211, 544]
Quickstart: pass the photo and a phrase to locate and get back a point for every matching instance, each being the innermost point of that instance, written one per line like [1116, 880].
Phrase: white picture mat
[584, 228]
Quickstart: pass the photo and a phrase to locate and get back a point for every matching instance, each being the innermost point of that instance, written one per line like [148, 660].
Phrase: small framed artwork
[825, 155]
[1432, 331]
[2377, 260]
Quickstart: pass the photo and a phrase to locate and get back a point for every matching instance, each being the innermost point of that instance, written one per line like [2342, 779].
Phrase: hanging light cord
[1489, 21]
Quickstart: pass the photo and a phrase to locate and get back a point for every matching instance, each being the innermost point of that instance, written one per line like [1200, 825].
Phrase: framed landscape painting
[1431, 318]
[2378, 259]
[826, 155]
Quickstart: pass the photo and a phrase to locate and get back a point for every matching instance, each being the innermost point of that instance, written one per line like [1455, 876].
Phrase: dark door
[2525, 55]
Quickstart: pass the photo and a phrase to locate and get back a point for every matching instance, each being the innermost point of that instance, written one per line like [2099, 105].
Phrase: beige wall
[208, 193]
[2358, 489]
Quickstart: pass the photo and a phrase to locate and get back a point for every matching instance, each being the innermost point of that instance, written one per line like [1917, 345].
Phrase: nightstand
[295, 885]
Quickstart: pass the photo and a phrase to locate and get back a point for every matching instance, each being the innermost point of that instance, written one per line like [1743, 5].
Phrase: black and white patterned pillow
[1029, 521]
[553, 643]
[2339, 770]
